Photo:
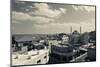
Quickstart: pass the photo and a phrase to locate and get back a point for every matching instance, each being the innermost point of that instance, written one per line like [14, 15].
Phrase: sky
[49, 18]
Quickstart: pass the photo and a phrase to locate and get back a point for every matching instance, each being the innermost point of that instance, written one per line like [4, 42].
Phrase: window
[38, 61]
[64, 59]
[45, 56]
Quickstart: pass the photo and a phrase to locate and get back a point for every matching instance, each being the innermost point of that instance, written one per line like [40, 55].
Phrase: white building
[65, 39]
[31, 57]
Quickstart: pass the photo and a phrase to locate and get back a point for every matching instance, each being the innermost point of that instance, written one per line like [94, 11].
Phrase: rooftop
[28, 58]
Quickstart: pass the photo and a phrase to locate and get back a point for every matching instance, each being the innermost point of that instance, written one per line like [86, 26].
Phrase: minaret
[80, 29]
[71, 29]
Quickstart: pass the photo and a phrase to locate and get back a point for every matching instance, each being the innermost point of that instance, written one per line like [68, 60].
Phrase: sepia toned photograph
[52, 33]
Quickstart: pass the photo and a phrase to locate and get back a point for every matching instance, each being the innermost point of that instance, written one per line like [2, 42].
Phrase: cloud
[24, 17]
[18, 1]
[45, 10]
[48, 18]
[63, 10]
[65, 27]
[40, 13]
[87, 8]
[15, 22]
[42, 20]
[20, 16]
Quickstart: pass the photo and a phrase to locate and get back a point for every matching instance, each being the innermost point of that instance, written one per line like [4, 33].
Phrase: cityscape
[51, 33]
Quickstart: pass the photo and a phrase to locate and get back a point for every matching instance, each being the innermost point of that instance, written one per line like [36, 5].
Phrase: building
[74, 37]
[62, 50]
[65, 39]
[31, 57]
[84, 38]
[32, 51]
[91, 53]
[23, 42]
